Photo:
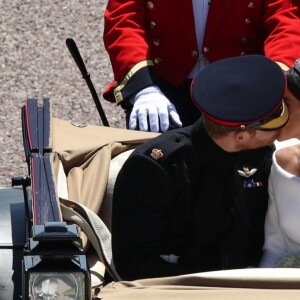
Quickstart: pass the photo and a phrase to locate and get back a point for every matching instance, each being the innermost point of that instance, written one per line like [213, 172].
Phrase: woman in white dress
[282, 226]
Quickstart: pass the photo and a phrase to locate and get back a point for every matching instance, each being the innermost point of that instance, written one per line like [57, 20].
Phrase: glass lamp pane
[57, 286]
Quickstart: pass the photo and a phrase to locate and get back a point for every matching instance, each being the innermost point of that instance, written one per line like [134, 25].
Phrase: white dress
[282, 226]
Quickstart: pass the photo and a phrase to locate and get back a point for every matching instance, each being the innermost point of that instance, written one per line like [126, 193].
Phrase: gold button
[247, 20]
[150, 5]
[194, 53]
[205, 49]
[244, 40]
[116, 83]
[158, 61]
[156, 42]
[251, 5]
[152, 24]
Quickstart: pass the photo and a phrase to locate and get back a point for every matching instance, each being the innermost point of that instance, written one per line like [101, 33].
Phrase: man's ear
[242, 137]
[239, 136]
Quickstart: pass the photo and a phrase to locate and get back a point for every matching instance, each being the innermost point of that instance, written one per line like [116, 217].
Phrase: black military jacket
[181, 194]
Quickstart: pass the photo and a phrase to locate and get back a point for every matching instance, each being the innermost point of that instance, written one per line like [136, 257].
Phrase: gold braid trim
[117, 91]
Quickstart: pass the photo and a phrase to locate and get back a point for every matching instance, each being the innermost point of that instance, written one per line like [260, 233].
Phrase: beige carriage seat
[105, 211]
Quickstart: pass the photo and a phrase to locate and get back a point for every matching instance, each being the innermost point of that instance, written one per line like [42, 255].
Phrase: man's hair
[215, 130]
[293, 82]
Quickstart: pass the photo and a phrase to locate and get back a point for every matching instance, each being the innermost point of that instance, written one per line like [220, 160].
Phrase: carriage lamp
[54, 265]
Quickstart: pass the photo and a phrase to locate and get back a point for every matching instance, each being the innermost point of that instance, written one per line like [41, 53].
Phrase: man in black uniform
[194, 199]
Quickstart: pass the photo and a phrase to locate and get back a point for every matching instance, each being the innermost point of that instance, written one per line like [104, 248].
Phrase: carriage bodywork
[60, 214]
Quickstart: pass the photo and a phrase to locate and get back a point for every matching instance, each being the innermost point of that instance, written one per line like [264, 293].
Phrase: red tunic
[164, 32]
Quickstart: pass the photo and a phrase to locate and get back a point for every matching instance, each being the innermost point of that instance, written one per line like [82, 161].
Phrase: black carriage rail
[36, 126]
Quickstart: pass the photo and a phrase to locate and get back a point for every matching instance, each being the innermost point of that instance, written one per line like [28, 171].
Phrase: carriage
[55, 240]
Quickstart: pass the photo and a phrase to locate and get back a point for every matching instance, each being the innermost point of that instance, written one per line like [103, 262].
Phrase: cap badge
[246, 172]
[156, 154]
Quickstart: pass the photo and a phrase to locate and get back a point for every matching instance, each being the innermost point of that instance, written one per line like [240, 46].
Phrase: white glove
[153, 103]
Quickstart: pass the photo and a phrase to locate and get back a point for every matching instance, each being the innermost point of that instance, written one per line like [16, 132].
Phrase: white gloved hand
[151, 102]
